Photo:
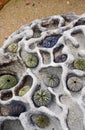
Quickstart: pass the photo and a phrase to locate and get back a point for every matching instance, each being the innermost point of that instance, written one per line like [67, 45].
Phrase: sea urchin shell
[74, 83]
[40, 120]
[7, 81]
[42, 97]
[9, 124]
[79, 64]
[13, 47]
[50, 41]
[51, 80]
[31, 61]
[15, 108]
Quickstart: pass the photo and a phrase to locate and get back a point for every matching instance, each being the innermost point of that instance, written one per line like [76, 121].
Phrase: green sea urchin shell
[51, 80]
[24, 90]
[42, 97]
[7, 81]
[74, 84]
[13, 47]
[79, 64]
[41, 120]
[31, 61]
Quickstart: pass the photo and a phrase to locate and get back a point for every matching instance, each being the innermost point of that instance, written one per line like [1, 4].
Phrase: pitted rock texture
[42, 75]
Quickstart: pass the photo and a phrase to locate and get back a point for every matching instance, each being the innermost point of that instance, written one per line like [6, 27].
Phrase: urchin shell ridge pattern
[43, 55]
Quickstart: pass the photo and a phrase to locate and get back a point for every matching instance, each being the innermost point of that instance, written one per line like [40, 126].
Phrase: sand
[19, 12]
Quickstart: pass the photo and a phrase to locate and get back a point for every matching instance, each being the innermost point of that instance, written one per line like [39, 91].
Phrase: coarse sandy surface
[19, 12]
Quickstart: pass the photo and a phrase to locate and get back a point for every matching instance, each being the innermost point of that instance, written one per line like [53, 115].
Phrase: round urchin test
[42, 75]
[42, 97]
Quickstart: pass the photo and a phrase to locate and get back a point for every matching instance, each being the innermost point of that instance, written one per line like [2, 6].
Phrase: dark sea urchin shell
[9, 124]
[50, 41]
[15, 108]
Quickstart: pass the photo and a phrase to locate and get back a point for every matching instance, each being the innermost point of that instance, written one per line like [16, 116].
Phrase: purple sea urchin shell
[50, 41]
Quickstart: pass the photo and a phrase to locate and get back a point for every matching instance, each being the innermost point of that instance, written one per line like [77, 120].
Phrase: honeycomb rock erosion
[42, 75]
